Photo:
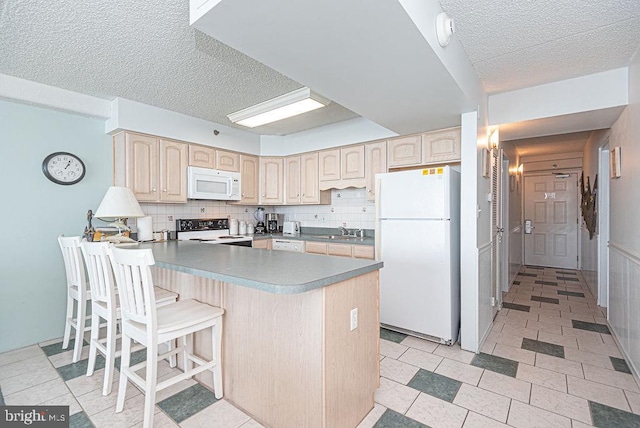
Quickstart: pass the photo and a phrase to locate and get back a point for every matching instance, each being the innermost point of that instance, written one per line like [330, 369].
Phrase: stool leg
[110, 358]
[216, 332]
[67, 325]
[173, 358]
[93, 348]
[151, 382]
[80, 322]
[187, 341]
[125, 360]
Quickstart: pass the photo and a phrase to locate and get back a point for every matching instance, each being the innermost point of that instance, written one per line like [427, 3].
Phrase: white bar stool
[77, 294]
[105, 305]
[142, 322]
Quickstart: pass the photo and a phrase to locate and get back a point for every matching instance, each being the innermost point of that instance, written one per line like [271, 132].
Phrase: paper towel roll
[145, 228]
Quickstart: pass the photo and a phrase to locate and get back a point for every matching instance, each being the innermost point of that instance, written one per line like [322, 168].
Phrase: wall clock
[63, 168]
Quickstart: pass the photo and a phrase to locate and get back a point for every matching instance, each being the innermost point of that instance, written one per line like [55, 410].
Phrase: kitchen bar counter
[301, 334]
[278, 272]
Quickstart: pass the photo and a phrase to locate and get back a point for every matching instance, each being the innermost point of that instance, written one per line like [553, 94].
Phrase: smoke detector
[444, 28]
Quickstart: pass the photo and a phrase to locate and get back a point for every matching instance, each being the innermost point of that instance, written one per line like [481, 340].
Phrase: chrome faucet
[343, 231]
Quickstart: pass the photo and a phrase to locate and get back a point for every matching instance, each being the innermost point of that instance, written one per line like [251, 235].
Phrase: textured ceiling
[518, 44]
[142, 51]
[147, 52]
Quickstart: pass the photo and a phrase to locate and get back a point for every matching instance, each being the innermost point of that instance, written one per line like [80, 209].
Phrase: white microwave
[207, 183]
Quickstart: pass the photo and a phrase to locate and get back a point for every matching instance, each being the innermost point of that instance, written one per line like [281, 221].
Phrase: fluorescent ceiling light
[291, 104]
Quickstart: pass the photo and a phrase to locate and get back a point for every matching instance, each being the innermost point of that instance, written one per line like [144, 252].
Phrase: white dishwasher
[288, 245]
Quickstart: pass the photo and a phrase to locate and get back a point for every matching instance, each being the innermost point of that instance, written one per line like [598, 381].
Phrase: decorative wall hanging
[588, 204]
[614, 162]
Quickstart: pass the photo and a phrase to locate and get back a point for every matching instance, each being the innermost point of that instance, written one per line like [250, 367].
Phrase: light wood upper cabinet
[341, 168]
[441, 146]
[249, 180]
[404, 151]
[227, 161]
[202, 156]
[292, 179]
[271, 181]
[375, 163]
[154, 169]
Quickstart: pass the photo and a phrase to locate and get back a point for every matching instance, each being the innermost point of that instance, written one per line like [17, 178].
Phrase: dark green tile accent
[434, 384]
[500, 365]
[516, 282]
[1, 398]
[73, 370]
[545, 299]
[609, 417]
[570, 293]
[80, 420]
[56, 348]
[619, 364]
[591, 326]
[566, 278]
[187, 403]
[543, 347]
[516, 307]
[391, 419]
[136, 357]
[547, 283]
[533, 275]
[566, 272]
[392, 336]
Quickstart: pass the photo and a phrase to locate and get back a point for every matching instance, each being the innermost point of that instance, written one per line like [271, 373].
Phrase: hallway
[549, 361]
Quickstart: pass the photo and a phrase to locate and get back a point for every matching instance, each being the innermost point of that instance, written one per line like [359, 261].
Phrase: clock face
[63, 168]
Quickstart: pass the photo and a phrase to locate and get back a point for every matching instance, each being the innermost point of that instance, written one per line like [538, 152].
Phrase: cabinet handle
[153, 190]
[299, 195]
[164, 190]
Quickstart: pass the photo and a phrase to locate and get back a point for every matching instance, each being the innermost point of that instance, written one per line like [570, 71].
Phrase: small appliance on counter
[291, 228]
[259, 216]
[210, 231]
[233, 226]
[274, 222]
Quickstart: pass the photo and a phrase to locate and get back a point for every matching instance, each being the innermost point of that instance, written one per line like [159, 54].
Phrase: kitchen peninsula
[291, 354]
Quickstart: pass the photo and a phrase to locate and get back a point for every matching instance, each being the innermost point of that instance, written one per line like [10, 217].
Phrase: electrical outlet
[170, 218]
[354, 318]
[202, 210]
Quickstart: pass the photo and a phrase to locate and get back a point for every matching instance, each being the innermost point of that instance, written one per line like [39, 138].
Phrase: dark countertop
[280, 272]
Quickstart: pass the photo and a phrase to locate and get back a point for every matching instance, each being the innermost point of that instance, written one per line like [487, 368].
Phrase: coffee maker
[274, 222]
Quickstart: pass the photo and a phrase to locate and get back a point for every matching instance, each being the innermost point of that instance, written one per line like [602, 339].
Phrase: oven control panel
[187, 225]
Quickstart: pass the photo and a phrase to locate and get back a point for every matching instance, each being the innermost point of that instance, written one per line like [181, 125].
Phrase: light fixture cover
[288, 105]
[119, 202]
[445, 28]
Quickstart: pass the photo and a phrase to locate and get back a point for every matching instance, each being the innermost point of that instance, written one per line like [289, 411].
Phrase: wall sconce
[494, 139]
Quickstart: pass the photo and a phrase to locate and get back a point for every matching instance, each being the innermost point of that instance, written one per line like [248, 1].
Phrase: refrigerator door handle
[378, 193]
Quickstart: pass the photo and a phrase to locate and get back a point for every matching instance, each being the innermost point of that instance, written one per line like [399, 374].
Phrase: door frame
[603, 225]
[505, 226]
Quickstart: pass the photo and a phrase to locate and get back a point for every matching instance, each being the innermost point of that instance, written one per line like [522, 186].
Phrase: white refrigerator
[418, 239]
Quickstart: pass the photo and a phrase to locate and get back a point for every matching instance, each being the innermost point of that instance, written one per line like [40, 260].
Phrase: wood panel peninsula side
[290, 357]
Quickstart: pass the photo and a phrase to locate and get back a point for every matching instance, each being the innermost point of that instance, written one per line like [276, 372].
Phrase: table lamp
[119, 203]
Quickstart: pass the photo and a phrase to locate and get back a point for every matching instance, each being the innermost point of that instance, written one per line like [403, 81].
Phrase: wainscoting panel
[485, 315]
[589, 260]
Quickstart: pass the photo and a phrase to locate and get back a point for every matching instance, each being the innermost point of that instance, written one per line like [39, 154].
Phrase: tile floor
[550, 361]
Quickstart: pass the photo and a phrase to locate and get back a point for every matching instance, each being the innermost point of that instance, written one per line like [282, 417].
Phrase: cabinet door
[142, 166]
[343, 250]
[315, 247]
[227, 161]
[271, 181]
[309, 184]
[202, 156]
[264, 244]
[173, 171]
[292, 179]
[352, 163]
[376, 163]
[249, 185]
[404, 151]
[329, 165]
[441, 146]
[363, 251]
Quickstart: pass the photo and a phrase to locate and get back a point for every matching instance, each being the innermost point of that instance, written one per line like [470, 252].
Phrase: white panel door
[551, 203]
[415, 282]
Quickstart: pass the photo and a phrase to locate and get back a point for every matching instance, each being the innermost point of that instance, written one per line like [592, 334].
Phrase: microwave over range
[207, 183]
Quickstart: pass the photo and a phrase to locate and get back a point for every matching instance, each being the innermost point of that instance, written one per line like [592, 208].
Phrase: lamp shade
[119, 202]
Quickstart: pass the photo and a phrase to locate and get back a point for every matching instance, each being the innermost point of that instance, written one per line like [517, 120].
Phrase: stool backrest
[73, 265]
[135, 285]
[101, 280]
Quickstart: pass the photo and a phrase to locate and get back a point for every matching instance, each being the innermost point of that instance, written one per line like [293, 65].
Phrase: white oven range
[210, 231]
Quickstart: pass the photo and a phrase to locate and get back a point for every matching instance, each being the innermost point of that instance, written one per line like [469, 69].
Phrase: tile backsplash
[349, 208]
